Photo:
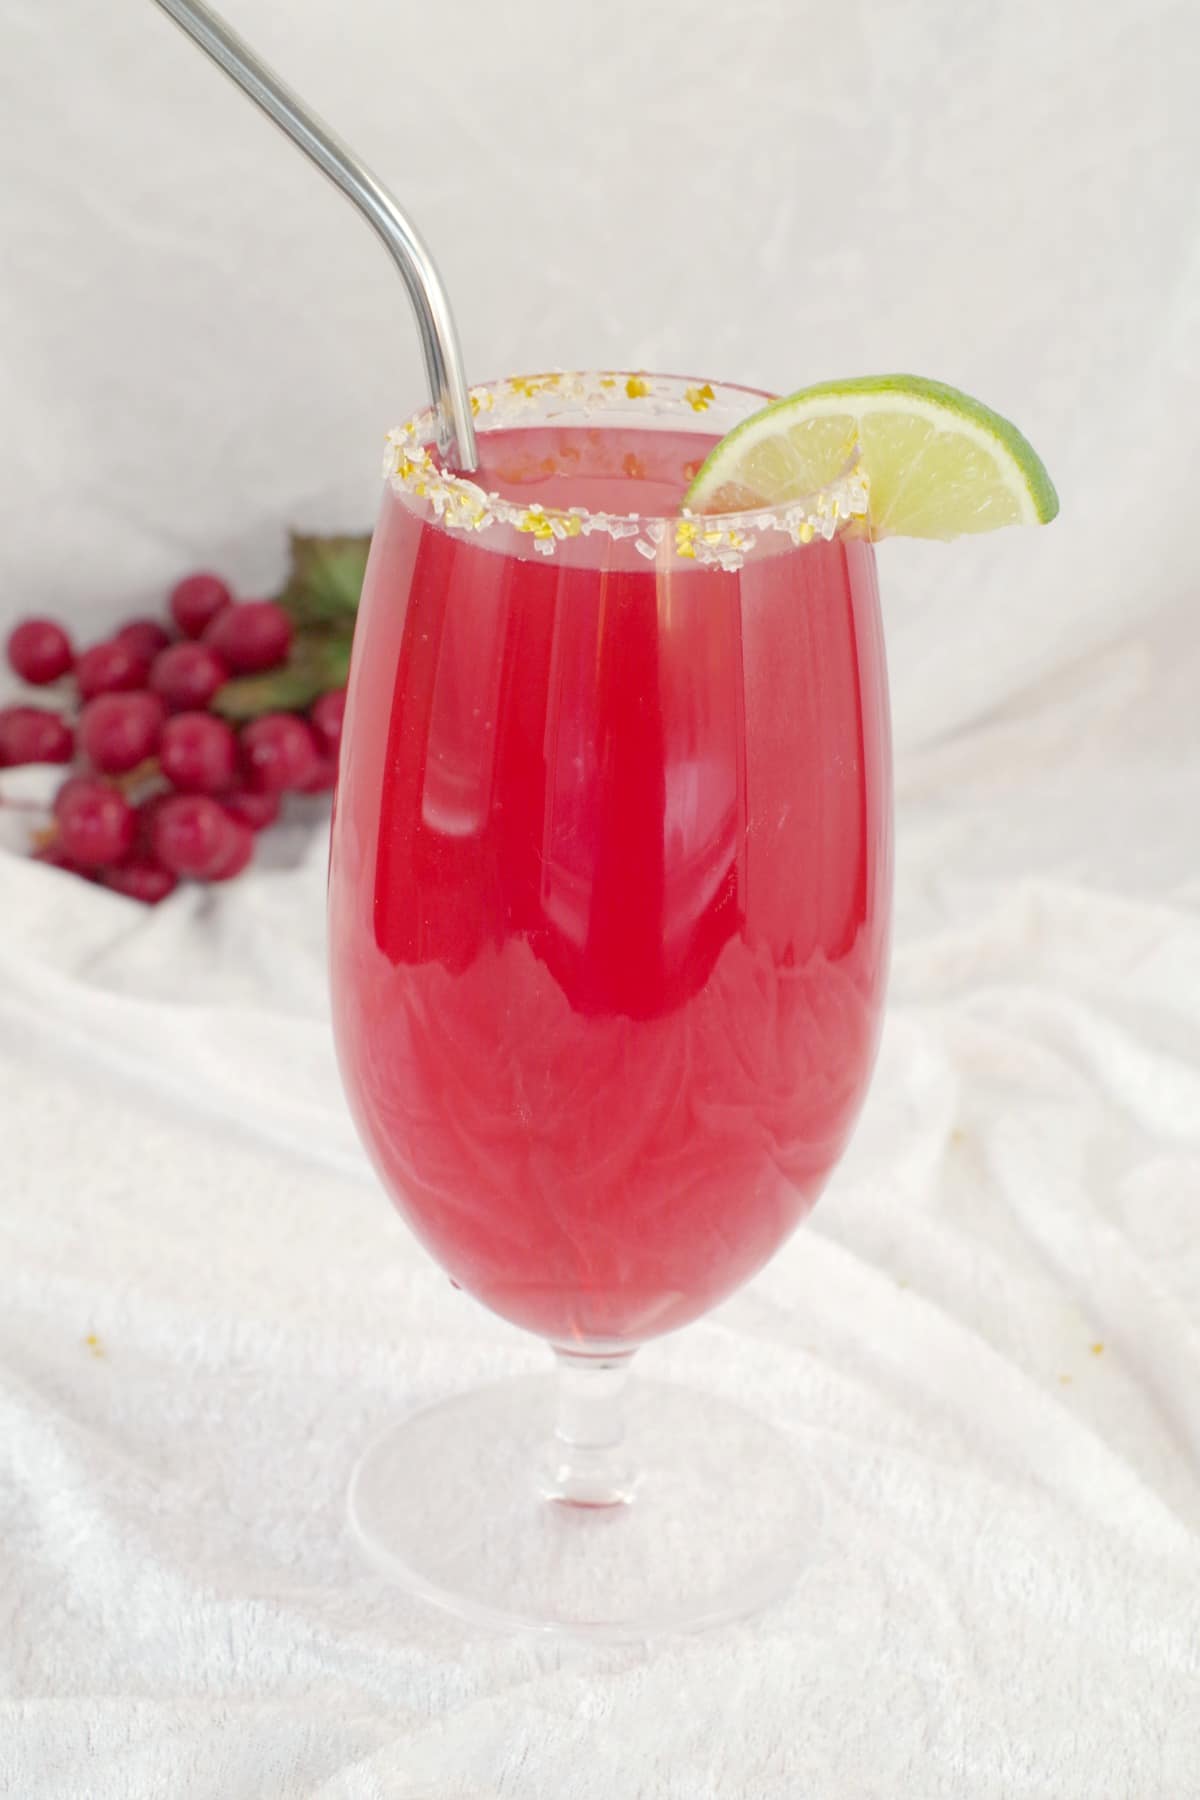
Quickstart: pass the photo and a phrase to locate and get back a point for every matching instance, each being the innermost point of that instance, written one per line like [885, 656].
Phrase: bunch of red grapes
[167, 788]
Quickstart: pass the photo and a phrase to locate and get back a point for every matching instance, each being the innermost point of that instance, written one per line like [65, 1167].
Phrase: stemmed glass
[609, 912]
[609, 902]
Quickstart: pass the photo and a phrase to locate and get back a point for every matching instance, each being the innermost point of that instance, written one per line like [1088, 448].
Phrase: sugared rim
[460, 504]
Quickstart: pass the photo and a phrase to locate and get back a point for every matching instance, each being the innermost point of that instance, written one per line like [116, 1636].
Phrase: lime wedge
[937, 462]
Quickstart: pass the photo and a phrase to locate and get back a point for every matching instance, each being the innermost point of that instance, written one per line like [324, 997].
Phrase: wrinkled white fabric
[986, 1337]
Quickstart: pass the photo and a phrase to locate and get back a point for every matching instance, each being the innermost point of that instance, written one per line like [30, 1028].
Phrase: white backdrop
[985, 1338]
[201, 340]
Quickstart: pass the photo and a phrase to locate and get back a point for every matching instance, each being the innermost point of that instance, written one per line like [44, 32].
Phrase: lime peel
[938, 463]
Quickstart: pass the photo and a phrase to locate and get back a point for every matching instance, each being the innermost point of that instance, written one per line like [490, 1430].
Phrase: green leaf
[326, 578]
[318, 662]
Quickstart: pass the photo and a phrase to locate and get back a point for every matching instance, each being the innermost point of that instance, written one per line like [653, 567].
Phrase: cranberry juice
[610, 888]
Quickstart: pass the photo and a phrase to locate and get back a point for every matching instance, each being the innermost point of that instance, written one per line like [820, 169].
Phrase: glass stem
[590, 1460]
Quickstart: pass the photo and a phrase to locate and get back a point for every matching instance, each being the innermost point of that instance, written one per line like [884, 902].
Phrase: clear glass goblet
[609, 913]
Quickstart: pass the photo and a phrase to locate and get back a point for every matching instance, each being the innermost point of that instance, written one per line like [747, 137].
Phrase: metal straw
[439, 340]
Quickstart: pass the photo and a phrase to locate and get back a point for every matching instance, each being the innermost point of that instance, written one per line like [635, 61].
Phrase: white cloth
[987, 1332]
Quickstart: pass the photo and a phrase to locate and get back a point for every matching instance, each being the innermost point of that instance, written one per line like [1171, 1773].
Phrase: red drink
[610, 883]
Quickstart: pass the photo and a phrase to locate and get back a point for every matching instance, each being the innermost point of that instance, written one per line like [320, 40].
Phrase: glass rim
[579, 396]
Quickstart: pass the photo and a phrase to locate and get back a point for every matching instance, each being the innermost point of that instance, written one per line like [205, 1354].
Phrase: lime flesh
[937, 462]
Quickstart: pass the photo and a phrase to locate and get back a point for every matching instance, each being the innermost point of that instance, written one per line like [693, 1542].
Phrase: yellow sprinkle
[699, 398]
[1097, 1349]
[608, 381]
[685, 538]
[530, 386]
[535, 521]
[94, 1345]
[636, 388]
[806, 533]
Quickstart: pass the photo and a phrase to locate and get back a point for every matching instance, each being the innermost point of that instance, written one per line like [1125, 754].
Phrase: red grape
[251, 807]
[39, 650]
[70, 784]
[146, 636]
[95, 822]
[279, 752]
[110, 668]
[199, 753]
[119, 731]
[195, 602]
[326, 715]
[54, 854]
[250, 637]
[241, 849]
[32, 734]
[141, 879]
[187, 676]
[323, 777]
[194, 836]
[145, 815]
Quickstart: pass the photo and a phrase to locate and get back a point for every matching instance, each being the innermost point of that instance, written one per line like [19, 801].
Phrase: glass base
[454, 1503]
